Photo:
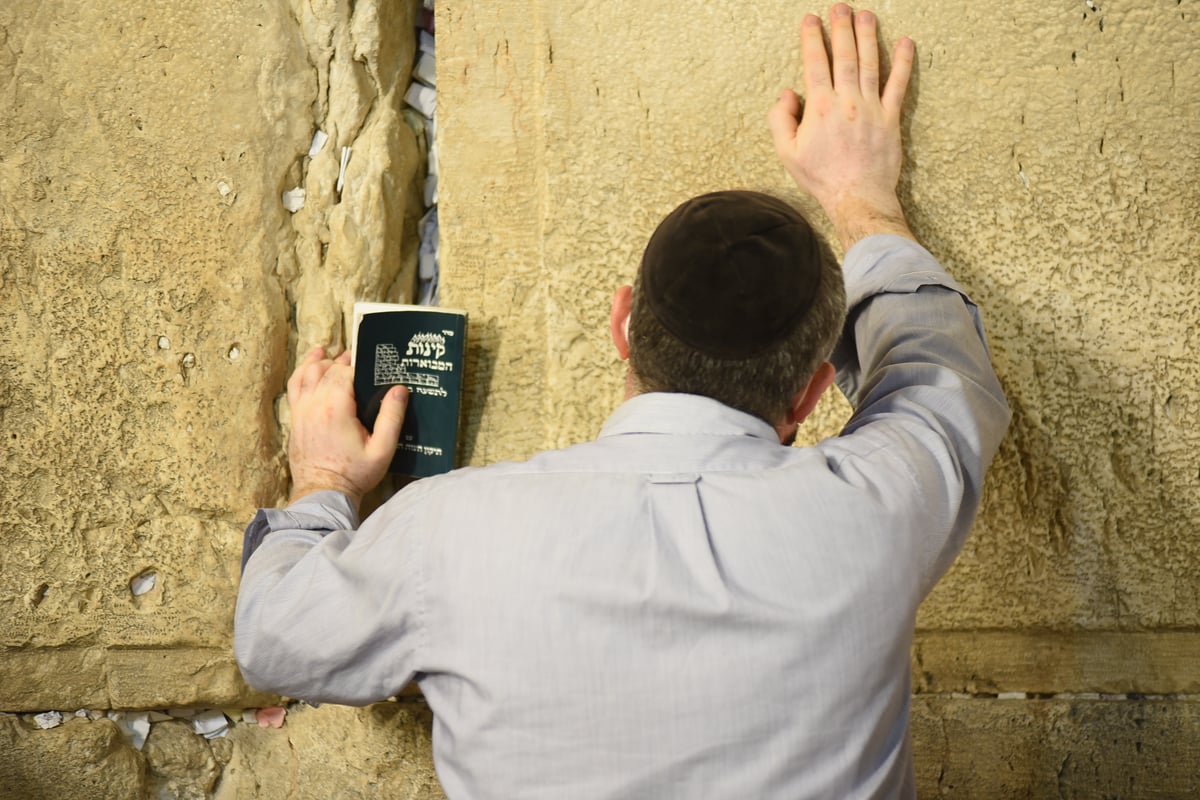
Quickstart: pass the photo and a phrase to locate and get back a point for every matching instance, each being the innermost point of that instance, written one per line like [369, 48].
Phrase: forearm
[855, 218]
[309, 603]
[920, 355]
[316, 512]
[915, 353]
[893, 323]
[270, 639]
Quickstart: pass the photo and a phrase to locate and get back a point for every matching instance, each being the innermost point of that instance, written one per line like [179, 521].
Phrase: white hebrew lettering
[429, 345]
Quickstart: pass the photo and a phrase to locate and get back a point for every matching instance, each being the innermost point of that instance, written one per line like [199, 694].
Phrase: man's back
[682, 608]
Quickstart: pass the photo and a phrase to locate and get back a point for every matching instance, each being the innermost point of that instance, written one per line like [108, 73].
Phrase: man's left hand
[329, 448]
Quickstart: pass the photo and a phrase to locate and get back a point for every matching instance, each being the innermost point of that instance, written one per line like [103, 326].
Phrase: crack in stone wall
[359, 243]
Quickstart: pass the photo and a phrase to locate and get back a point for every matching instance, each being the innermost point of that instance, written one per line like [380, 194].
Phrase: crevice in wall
[356, 202]
[1069, 697]
[422, 100]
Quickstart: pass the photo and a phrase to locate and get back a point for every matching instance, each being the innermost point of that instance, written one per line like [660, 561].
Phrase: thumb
[387, 425]
[784, 118]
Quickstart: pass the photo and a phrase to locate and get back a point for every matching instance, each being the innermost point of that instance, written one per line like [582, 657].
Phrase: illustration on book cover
[423, 349]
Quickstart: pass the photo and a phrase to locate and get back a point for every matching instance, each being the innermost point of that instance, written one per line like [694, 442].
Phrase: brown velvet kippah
[732, 273]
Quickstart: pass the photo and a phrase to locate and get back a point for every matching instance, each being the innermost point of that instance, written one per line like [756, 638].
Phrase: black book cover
[424, 348]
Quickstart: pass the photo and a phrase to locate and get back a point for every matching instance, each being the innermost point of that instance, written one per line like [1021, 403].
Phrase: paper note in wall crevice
[318, 142]
[342, 169]
[211, 724]
[421, 97]
[134, 724]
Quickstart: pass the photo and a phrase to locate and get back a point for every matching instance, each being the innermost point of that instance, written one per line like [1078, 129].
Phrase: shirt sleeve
[929, 411]
[327, 610]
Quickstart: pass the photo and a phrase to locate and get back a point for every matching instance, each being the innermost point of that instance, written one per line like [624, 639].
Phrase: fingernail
[865, 17]
[841, 10]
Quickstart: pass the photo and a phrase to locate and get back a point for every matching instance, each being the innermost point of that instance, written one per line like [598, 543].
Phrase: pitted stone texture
[1056, 662]
[149, 279]
[180, 763]
[382, 750]
[1045, 167]
[81, 760]
[145, 331]
[360, 243]
[1056, 188]
[1069, 748]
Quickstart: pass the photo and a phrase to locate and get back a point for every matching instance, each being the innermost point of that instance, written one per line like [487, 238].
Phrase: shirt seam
[422, 602]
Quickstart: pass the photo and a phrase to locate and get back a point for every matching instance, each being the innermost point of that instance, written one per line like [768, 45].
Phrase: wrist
[304, 485]
[855, 218]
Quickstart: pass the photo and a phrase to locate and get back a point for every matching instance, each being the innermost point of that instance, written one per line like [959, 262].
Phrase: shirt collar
[683, 414]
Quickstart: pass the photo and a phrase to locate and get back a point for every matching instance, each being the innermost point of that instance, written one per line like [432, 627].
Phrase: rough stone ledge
[123, 678]
[1067, 747]
[383, 750]
[1055, 662]
[1059, 747]
[985, 663]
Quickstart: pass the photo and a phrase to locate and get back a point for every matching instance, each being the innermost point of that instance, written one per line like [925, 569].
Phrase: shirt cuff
[886, 263]
[324, 511]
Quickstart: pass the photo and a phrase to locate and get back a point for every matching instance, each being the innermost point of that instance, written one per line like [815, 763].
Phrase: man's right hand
[328, 447]
[842, 145]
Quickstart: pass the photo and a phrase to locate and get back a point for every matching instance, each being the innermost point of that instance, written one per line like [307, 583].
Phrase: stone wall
[154, 291]
[332, 752]
[1053, 164]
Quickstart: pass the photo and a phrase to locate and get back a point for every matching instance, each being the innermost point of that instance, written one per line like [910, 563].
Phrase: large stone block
[1054, 662]
[1043, 166]
[81, 760]
[145, 328]
[181, 764]
[382, 750]
[152, 291]
[1068, 748]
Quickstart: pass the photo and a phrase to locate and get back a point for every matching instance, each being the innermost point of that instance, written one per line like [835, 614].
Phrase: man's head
[736, 299]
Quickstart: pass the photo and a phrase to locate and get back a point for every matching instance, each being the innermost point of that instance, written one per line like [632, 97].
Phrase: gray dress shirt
[682, 608]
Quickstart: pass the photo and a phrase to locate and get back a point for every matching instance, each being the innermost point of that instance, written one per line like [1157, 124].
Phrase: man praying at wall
[685, 607]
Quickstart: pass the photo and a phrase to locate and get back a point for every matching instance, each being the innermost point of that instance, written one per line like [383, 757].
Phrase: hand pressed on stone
[329, 448]
[842, 144]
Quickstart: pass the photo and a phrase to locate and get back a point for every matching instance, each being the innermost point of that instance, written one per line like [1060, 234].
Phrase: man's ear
[618, 321]
[806, 399]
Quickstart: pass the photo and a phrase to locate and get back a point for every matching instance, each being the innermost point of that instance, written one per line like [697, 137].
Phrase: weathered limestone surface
[152, 293]
[382, 751]
[1052, 164]
[1056, 748]
[181, 764]
[1053, 662]
[965, 747]
[82, 760]
[332, 751]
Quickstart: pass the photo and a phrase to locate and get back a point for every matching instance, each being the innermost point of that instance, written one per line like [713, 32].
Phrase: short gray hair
[762, 385]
